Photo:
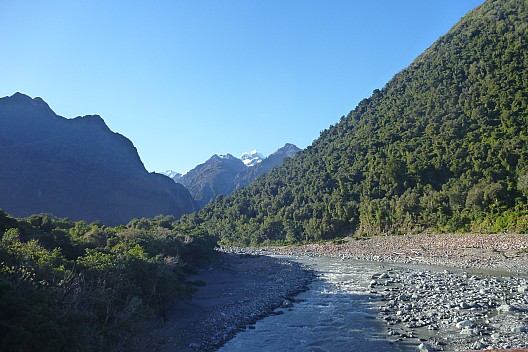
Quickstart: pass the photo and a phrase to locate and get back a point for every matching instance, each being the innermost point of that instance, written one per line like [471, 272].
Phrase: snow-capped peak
[176, 176]
[251, 158]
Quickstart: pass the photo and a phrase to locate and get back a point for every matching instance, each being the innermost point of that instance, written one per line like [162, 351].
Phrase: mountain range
[77, 168]
[442, 147]
[221, 175]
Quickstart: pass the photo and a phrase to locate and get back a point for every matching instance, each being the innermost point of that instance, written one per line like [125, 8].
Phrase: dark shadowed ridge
[76, 168]
[214, 177]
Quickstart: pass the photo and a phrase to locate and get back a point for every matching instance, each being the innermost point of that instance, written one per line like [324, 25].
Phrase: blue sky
[188, 79]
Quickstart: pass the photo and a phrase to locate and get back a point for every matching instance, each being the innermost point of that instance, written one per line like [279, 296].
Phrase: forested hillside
[81, 286]
[443, 146]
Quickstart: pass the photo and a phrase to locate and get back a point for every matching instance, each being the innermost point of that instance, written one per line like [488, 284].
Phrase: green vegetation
[68, 286]
[443, 146]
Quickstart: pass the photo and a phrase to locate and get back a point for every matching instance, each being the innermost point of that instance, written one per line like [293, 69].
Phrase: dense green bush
[78, 286]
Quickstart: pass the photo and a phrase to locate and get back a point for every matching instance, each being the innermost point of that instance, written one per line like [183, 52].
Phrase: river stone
[479, 345]
[519, 329]
[464, 305]
[506, 308]
[287, 304]
[403, 298]
[522, 288]
[469, 331]
[465, 324]
[425, 347]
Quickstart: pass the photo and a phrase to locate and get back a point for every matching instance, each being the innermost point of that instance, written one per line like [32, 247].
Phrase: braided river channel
[338, 313]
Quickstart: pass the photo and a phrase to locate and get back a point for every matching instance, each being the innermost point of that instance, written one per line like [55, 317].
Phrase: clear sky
[188, 79]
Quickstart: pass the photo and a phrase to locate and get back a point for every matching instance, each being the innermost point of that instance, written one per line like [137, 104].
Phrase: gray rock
[469, 331]
[465, 324]
[506, 308]
[519, 329]
[425, 347]
[287, 304]
[463, 305]
[403, 298]
[479, 345]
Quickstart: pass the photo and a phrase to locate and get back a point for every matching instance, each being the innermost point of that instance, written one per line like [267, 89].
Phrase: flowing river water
[337, 313]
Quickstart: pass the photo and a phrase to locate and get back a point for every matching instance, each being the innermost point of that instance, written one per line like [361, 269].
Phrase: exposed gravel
[451, 292]
[504, 252]
[453, 310]
[237, 292]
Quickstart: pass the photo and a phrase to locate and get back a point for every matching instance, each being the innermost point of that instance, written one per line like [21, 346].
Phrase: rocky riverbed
[443, 292]
[452, 310]
[504, 252]
[233, 294]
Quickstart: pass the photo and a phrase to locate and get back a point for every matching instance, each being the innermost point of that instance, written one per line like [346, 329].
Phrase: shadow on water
[336, 314]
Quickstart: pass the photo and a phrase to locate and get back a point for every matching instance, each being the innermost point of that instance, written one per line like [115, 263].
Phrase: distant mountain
[76, 168]
[176, 176]
[212, 178]
[221, 175]
[252, 158]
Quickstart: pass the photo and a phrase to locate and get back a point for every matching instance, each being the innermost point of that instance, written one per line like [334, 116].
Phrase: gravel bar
[446, 292]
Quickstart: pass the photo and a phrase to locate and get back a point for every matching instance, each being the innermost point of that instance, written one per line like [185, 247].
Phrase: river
[337, 313]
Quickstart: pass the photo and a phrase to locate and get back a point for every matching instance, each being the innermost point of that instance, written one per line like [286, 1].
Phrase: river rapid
[337, 313]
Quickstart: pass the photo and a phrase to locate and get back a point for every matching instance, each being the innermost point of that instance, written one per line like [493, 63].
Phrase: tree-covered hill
[443, 146]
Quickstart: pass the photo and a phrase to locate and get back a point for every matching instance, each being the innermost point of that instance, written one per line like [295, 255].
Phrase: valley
[403, 226]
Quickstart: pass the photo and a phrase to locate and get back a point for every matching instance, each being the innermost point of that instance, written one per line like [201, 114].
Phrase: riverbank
[443, 292]
[501, 252]
[479, 302]
[232, 295]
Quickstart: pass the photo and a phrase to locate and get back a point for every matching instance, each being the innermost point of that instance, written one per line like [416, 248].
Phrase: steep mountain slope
[76, 168]
[442, 146]
[212, 178]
